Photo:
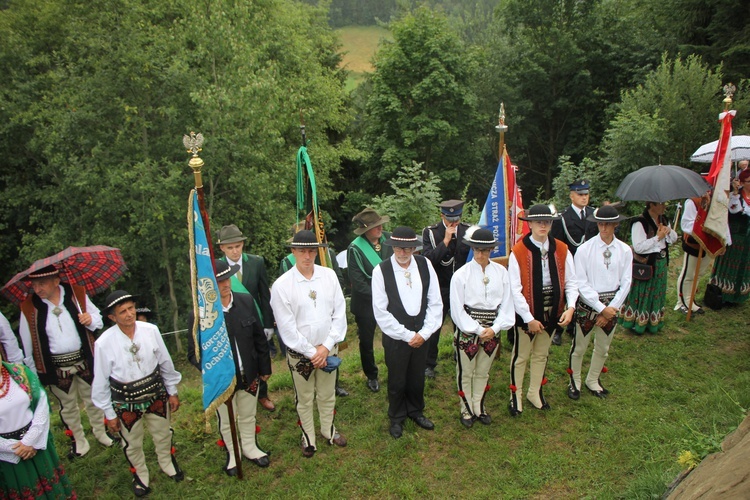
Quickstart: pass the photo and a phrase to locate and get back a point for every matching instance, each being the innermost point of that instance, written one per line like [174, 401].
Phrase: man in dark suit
[574, 229]
[250, 278]
[443, 245]
[251, 362]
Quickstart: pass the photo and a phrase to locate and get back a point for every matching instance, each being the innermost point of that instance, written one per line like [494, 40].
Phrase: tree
[414, 199]
[664, 120]
[421, 107]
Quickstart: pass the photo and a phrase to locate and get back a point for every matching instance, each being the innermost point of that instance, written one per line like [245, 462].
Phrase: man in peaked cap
[251, 363]
[56, 329]
[366, 251]
[310, 314]
[253, 279]
[574, 228]
[135, 385]
[444, 247]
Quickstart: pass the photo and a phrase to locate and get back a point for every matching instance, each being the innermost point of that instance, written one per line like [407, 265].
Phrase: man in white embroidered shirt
[310, 313]
[604, 270]
[408, 308]
[135, 382]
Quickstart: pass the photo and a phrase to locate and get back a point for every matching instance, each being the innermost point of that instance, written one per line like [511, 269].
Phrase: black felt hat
[223, 270]
[606, 213]
[305, 239]
[477, 237]
[117, 297]
[403, 237]
[539, 212]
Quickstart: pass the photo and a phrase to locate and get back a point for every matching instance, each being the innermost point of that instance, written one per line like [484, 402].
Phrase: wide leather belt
[139, 392]
[604, 297]
[547, 295]
[483, 316]
[67, 359]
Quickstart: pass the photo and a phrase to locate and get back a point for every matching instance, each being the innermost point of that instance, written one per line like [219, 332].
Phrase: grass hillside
[679, 391]
[359, 46]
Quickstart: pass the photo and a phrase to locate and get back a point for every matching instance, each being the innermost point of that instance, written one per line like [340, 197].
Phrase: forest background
[96, 96]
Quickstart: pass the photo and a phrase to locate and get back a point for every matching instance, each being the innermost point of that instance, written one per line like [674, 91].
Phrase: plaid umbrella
[94, 268]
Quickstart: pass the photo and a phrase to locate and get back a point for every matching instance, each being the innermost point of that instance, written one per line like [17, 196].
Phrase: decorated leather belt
[604, 297]
[483, 316]
[661, 254]
[17, 435]
[68, 359]
[138, 394]
[547, 295]
[294, 354]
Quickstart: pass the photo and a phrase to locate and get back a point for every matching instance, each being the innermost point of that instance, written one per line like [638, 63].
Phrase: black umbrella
[662, 183]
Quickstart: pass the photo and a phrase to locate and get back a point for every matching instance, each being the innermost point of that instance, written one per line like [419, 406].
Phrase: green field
[681, 390]
[359, 46]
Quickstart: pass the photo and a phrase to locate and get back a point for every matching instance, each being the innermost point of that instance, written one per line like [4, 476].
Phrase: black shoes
[485, 419]
[557, 339]
[467, 422]
[373, 385]
[139, 490]
[514, 412]
[396, 430]
[341, 392]
[231, 472]
[598, 394]
[424, 422]
[262, 462]
[573, 393]
[429, 372]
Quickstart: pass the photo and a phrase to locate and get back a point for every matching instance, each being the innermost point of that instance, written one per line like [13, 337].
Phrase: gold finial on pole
[193, 143]
[501, 127]
[729, 91]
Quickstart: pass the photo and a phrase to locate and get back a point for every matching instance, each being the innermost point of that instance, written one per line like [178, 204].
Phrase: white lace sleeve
[37, 434]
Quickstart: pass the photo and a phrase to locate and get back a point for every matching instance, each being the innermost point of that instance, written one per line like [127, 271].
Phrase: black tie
[583, 214]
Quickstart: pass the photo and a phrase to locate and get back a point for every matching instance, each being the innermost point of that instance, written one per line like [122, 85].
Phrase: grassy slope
[670, 392]
[359, 45]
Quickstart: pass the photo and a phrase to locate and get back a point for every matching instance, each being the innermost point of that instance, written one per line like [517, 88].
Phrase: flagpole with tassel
[193, 144]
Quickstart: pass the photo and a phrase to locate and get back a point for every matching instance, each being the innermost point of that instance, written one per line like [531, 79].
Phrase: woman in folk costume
[732, 269]
[481, 307]
[651, 235]
[29, 465]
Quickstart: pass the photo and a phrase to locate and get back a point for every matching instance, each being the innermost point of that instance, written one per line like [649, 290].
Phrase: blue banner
[210, 331]
[495, 211]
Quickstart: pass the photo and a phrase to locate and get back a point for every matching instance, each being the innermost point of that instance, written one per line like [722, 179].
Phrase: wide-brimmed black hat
[305, 239]
[230, 234]
[117, 297]
[477, 237]
[368, 219]
[539, 212]
[45, 272]
[223, 270]
[606, 213]
[403, 237]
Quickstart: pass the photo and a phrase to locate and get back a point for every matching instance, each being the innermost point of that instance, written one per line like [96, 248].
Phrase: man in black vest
[445, 248]
[407, 307]
[574, 229]
[252, 364]
[366, 251]
[56, 329]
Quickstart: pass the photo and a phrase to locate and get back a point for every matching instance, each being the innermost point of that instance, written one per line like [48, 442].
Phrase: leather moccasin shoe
[514, 412]
[557, 339]
[308, 451]
[262, 462]
[373, 385]
[598, 394]
[178, 477]
[485, 419]
[424, 422]
[231, 472]
[396, 430]
[341, 392]
[338, 440]
[467, 422]
[573, 393]
[545, 407]
[267, 404]
[139, 490]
